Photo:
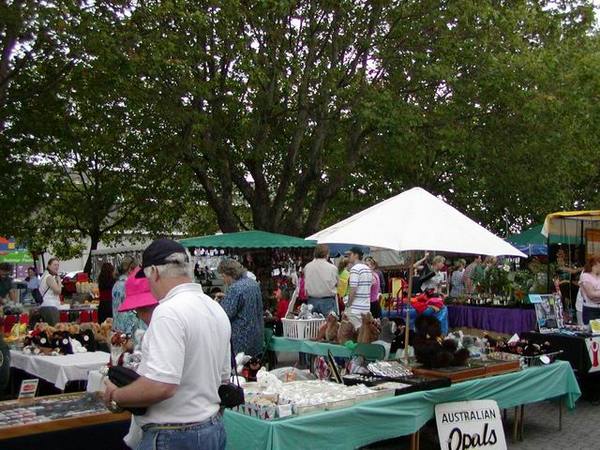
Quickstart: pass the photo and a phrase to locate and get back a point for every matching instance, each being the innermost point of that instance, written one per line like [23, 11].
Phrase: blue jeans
[322, 305]
[208, 435]
[590, 314]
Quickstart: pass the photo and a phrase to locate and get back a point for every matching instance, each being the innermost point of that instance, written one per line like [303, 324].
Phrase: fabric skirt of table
[500, 320]
[377, 420]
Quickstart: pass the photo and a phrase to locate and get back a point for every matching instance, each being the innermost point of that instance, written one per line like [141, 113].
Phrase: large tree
[305, 111]
[81, 144]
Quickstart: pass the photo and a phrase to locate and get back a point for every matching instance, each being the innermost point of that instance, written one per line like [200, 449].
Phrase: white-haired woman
[243, 304]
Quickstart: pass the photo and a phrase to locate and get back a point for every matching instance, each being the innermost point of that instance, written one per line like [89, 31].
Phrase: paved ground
[581, 430]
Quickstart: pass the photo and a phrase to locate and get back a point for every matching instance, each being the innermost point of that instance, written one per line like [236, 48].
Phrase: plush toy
[388, 330]
[328, 331]
[432, 350]
[61, 342]
[333, 325]
[369, 330]
[87, 340]
[346, 331]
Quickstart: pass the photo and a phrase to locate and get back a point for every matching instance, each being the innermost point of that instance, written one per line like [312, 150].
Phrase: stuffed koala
[432, 350]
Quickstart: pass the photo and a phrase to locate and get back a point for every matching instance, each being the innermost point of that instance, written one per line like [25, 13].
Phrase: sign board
[468, 425]
[28, 388]
[548, 311]
[593, 346]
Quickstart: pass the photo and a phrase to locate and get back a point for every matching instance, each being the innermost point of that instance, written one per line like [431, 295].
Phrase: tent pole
[407, 324]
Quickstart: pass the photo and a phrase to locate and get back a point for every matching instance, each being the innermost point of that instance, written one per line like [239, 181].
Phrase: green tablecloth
[280, 344]
[377, 420]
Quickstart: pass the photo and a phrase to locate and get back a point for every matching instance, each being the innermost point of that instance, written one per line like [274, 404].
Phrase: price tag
[285, 410]
[28, 388]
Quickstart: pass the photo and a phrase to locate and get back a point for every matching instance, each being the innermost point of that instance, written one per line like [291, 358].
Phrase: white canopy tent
[416, 220]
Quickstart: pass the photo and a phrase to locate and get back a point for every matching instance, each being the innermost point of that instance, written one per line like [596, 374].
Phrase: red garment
[282, 307]
[422, 302]
[105, 295]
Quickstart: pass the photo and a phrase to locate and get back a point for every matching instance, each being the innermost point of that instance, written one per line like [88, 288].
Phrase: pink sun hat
[137, 293]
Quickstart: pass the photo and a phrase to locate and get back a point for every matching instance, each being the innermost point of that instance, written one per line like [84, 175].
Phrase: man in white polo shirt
[320, 281]
[359, 296]
[185, 358]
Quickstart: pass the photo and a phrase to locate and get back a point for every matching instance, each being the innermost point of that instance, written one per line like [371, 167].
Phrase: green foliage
[288, 116]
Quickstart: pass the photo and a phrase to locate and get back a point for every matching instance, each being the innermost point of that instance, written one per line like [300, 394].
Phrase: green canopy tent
[261, 244]
[532, 242]
[247, 240]
[17, 257]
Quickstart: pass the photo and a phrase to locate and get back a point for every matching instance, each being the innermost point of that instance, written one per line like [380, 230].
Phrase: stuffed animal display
[346, 331]
[432, 350]
[369, 330]
[328, 331]
[61, 339]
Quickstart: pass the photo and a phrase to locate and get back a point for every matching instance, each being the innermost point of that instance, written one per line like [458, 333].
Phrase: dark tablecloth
[574, 348]
[500, 320]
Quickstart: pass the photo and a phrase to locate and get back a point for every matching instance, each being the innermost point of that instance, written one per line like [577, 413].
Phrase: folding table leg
[415, 440]
[516, 425]
[521, 422]
[560, 413]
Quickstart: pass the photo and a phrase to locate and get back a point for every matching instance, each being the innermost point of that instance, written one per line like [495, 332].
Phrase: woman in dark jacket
[106, 281]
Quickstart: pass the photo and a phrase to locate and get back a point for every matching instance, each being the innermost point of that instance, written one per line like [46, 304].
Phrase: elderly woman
[457, 281]
[244, 307]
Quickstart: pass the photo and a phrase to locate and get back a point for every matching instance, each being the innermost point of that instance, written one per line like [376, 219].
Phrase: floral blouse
[244, 307]
[127, 322]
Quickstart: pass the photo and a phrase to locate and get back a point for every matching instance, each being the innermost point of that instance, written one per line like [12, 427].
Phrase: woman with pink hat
[138, 297]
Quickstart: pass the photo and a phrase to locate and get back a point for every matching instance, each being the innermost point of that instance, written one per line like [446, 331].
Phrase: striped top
[361, 278]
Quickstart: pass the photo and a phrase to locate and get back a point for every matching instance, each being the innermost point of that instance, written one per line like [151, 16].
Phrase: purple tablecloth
[500, 320]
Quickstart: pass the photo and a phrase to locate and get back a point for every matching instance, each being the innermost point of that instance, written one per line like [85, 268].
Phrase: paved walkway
[581, 430]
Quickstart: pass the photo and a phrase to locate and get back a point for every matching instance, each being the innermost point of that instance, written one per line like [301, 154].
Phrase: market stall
[398, 415]
[62, 369]
[400, 226]
[496, 319]
[66, 421]
[264, 254]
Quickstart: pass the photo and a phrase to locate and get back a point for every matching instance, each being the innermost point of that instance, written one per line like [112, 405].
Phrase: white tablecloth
[59, 370]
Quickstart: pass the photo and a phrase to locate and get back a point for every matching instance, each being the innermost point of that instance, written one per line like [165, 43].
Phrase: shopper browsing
[321, 278]
[589, 285]
[7, 290]
[359, 296]
[50, 288]
[185, 358]
[243, 305]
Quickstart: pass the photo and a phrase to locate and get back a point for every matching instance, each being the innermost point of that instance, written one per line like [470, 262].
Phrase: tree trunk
[95, 238]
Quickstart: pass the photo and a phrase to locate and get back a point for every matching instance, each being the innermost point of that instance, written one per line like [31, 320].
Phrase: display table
[59, 370]
[497, 319]
[281, 344]
[66, 421]
[388, 418]
[574, 348]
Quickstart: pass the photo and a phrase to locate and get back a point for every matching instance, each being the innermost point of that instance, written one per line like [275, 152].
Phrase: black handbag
[122, 376]
[232, 394]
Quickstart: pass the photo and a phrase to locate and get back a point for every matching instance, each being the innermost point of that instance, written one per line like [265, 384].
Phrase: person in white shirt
[320, 282]
[50, 290]
[185, 358]
[359, 296]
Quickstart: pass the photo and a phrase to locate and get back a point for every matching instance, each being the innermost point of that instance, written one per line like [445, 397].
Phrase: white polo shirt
[187, 344]
[320, 278]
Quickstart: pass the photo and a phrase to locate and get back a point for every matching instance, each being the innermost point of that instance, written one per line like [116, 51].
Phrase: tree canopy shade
[286, 116]
[247, 240]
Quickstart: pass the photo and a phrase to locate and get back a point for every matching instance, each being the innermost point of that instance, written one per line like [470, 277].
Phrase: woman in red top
[106, 281]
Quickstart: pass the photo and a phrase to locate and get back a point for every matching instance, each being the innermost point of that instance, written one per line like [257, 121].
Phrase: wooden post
[410, 284]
